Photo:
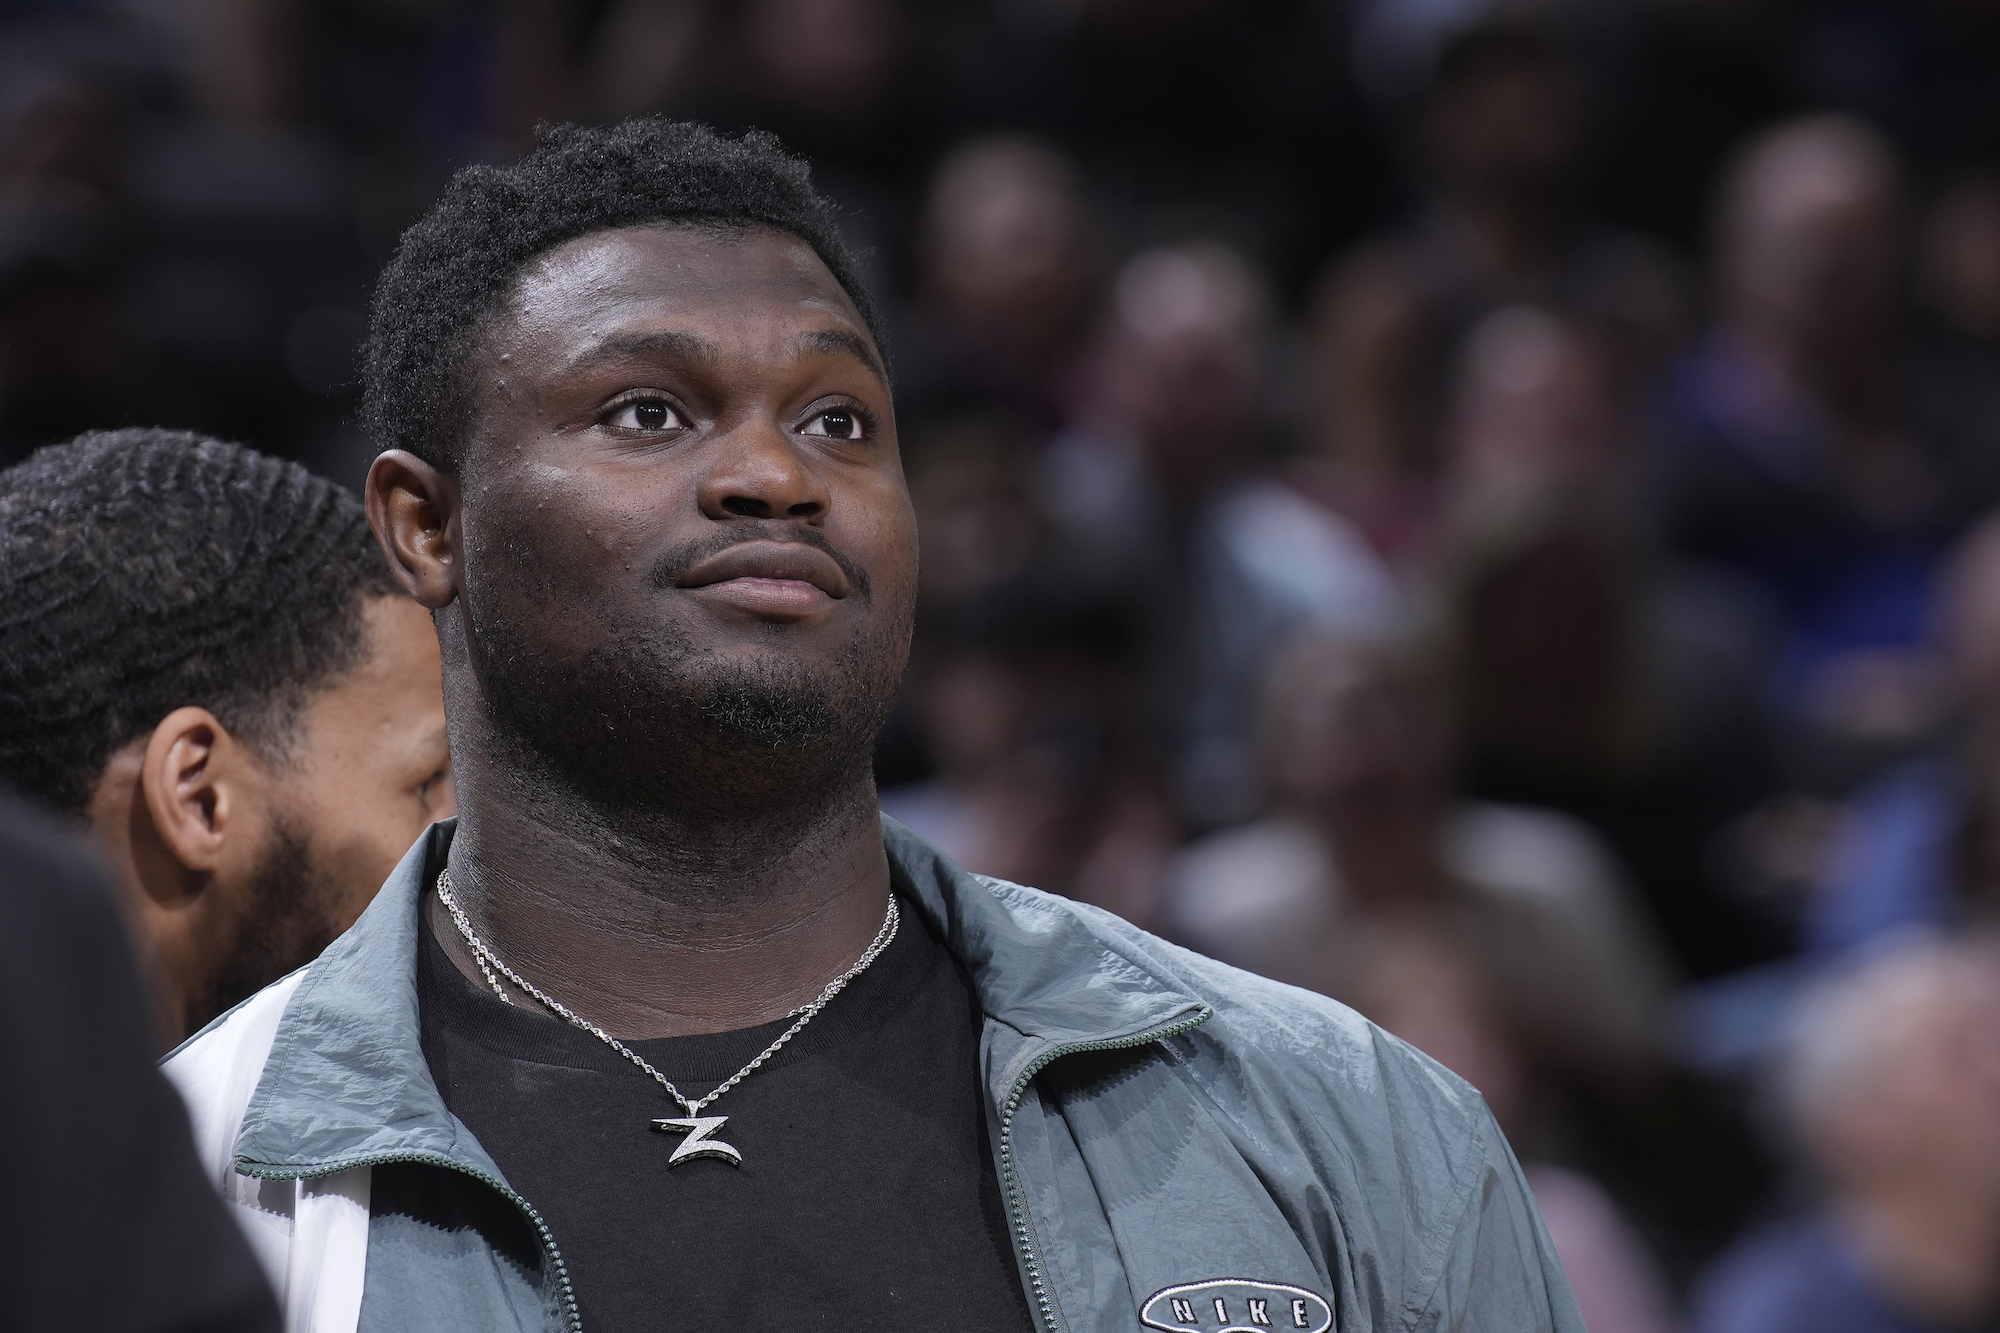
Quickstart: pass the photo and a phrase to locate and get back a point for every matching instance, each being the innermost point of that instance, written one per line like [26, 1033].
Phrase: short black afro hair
[145, 570]
[456, 266]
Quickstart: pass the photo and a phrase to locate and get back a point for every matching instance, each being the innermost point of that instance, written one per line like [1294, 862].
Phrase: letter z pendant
[698, 1143]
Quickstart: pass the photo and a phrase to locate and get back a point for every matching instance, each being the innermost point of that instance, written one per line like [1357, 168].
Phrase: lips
[769, 563]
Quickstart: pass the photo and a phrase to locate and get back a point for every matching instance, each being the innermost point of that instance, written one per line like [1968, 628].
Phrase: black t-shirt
[866, 1199]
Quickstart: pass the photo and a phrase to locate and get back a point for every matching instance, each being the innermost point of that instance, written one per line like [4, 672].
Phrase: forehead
[702, 280]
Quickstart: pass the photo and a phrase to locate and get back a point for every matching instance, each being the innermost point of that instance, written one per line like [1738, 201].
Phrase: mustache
[674, 565]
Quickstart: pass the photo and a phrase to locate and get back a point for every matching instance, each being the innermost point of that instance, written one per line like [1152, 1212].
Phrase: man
[640, 459]
[1892, 1085]
[204, 655]
[99, 1176]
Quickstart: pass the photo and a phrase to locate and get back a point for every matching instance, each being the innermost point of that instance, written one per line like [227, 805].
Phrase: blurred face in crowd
[1533, 401]
[244, 862]
[680, 527]
[1917, 1106]
[1006, 240]
[1809, 236]
[1348, 725]
[1183, 359]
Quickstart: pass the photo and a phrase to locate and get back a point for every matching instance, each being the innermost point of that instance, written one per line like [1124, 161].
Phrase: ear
[197, 781]
[413, 508]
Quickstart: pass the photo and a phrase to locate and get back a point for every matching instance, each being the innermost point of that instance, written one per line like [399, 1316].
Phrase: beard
[288, 920]
[645, 722]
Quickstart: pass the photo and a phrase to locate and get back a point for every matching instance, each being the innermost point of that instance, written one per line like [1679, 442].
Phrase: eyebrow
[841, 342]
[694, 347]
[625, 346]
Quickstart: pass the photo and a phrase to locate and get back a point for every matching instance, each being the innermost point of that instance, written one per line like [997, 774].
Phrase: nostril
[805, 509]
[745, 506]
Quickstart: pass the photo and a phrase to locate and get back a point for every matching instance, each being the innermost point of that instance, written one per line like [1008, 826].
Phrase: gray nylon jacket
[1181, 1145]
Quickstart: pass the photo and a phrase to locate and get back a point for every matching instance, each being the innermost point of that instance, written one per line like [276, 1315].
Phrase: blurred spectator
[1589, 682]
[201, 651]
[1037, 753]
[1892, 1088]
[1356, 751]
[1534, 405]
[1497, 140]
[1169, 423]
[108, 1209]
[1919, 844]
[1369, 449]
[1790, 456]
[1007, 285]
[1496, 227]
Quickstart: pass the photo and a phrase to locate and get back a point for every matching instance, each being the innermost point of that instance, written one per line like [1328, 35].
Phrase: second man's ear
[195, 781]
[412, 508]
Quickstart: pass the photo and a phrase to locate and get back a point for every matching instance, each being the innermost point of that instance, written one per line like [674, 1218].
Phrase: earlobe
[413, 509]
[188, 786]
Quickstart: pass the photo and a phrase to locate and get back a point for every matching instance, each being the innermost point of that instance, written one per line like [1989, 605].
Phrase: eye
[647, 414]
[839, 423]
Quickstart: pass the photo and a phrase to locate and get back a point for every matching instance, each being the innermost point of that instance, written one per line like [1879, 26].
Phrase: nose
[760, 472]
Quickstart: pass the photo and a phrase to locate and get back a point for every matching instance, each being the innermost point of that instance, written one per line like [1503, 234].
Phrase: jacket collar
[346, 1082]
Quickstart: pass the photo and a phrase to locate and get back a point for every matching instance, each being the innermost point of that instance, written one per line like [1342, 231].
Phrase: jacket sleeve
[1496, 1269]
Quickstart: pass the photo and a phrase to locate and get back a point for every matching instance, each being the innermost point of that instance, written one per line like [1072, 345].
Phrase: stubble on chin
[645, 723]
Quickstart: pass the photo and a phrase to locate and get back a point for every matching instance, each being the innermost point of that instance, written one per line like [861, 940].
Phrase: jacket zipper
[572, 1321]
[1017, 1208]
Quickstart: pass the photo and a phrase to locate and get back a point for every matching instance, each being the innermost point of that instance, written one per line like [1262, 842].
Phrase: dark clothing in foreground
[110, 1224]
[866, 1197]
[1800, 1278]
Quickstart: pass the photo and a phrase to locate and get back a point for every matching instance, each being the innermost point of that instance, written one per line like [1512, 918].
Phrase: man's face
[689, 557]
[366, 772]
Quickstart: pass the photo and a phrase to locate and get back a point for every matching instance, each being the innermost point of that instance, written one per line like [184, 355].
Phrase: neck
[666, 923]
[1934, 1249]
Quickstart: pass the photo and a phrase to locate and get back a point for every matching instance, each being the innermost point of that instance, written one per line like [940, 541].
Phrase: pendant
[698, 1143]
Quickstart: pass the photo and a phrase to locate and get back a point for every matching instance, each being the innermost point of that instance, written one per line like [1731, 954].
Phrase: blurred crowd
[1484, 510]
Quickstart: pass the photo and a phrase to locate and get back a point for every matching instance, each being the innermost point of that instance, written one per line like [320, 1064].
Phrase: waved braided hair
[145, 570]
[454, 270]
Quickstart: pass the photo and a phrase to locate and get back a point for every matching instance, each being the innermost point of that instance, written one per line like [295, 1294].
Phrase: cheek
[552, 529]
[358, 844]
[885, 541]
[360, 817]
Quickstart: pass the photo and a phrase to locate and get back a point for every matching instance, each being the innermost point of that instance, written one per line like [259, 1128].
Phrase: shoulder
[1365, 1145]
[1267, 1042]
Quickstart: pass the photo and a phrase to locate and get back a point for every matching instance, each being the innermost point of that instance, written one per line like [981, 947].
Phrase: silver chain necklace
[699, 1128]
